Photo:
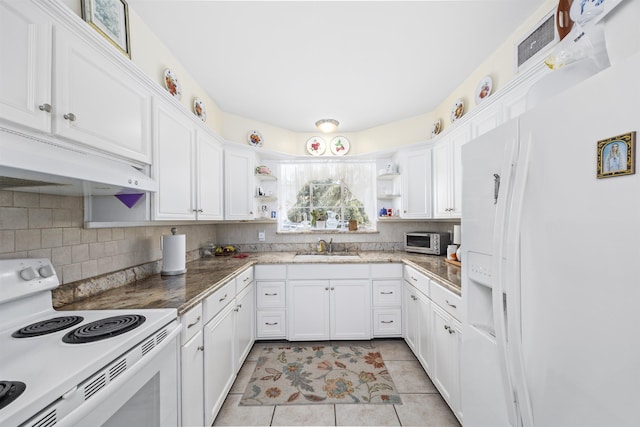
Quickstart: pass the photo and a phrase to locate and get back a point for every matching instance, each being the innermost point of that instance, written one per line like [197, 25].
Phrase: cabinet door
[308, 310]
[245, 312]
[350, 309]
[97, 102]
[443, 355]
[192, 381]
[425, 341]
[209, 181]
[172, 164]
[25, 69]
[239, 184]
[416, 184]
[458, 139]
[219, 361]
[442, 179]
[410, 320]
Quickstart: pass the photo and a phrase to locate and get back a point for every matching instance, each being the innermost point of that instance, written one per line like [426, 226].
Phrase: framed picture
[616, 156]
[111, 19]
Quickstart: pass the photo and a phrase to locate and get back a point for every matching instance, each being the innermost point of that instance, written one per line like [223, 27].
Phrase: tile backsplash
[46, 226]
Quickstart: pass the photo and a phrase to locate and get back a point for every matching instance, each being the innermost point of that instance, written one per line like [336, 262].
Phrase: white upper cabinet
[239, 182]
[415, 168]
[187, 163]
[447, 174]
[25, 69]
[68, 87]
[209, 177]
[174, 138]
[98, 103]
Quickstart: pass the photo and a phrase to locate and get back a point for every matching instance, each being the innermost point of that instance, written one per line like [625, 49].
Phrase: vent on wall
[536, 42]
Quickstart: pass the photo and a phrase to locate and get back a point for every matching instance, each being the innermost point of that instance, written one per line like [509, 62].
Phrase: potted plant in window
[318, 218]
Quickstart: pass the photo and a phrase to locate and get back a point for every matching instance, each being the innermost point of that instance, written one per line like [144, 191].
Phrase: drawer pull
[194, 323]
[386, 293]
[449, 304]
[271, 295]
[246, 278]
[386, 321]
[414, 279]
[271, 323]
[223, 298]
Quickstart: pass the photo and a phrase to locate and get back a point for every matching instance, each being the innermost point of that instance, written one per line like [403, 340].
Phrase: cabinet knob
[332, 288]
[326, 289]
[70, 116]
[201, 348]
[45, 107]
[223, 298]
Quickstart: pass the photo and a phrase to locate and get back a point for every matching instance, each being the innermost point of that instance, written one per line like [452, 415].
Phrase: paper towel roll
[456, 234]
[173, 254]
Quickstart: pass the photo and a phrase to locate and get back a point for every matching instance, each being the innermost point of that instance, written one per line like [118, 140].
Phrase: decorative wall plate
[199, 109]
[172, 84]
[458, 110]
[484, 89]
[316, 146]
[436, 127]
[255, 138]
[339, 146]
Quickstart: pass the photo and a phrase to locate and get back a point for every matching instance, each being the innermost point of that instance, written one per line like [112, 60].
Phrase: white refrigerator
[551, 262]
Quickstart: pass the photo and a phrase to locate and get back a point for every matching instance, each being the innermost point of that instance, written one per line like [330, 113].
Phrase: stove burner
[9, 391]
[103, 329]
[47, 326]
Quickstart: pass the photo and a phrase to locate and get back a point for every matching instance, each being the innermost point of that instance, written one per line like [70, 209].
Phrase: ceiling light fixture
[327, 125]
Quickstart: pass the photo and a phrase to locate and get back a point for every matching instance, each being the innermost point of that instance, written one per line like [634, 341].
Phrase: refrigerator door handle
[511, 278]
[499, 295]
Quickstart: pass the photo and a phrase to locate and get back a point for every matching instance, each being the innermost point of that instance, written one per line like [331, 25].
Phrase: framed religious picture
[616, 156]
[111, 19]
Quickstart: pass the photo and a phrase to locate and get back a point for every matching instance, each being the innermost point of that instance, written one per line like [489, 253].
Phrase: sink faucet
[331, 246]
[322, 245]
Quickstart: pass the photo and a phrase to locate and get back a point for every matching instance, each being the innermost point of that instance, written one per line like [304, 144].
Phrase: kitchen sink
[326, 256]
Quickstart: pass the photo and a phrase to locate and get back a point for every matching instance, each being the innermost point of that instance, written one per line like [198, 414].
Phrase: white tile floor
[422, 405]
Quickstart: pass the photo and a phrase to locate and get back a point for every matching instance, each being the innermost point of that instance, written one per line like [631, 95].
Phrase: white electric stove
[81, 367]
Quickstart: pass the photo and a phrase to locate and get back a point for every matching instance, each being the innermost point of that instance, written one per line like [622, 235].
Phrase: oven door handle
[80, 412]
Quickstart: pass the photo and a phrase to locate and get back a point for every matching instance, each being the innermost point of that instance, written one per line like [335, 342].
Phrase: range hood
[36, 165]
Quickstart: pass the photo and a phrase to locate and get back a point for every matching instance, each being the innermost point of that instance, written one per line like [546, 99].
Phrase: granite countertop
[204, 276]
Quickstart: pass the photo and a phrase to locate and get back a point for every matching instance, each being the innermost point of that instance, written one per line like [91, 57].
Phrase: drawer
[270, 324]
[450, 302]
[219, 299]
[270, 294]
[270, 272]
[191, 323]
[417, 279]
[387, 322]
[384, 271]
[387, 293]
[328, 271]
[243, 279]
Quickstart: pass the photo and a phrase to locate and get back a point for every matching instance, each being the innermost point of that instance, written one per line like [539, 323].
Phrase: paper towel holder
[173, 253]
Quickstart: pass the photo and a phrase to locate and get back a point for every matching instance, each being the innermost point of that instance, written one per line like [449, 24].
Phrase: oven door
[144, 395]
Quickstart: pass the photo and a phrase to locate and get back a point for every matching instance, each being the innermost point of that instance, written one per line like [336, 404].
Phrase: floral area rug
[320, 374]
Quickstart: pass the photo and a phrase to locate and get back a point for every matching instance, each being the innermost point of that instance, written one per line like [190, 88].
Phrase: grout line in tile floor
[411, 381]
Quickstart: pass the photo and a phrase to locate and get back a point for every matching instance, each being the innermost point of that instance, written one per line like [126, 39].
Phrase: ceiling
[364, 63]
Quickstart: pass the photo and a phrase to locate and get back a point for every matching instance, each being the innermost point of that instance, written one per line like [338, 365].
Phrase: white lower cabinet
[386, 296]
[219, 361]
[217, 337]
[434, 333]
[328, 302]
[245, 315]
[270, 301]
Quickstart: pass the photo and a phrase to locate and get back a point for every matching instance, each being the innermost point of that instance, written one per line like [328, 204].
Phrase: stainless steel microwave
[426, 242]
